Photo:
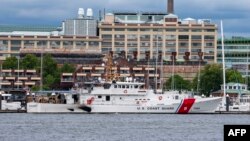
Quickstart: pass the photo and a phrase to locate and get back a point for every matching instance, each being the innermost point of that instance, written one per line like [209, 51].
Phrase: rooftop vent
[80, 13]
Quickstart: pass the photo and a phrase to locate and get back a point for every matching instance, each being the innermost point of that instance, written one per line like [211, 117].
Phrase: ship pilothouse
[115, 92]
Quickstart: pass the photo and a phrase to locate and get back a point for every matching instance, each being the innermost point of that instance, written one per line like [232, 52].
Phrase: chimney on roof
[170, 6]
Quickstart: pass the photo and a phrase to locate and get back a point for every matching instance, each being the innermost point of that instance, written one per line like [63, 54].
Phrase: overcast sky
[234, 13]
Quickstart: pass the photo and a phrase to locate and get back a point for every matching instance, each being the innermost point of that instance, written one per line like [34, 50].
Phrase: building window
[145, 29]
[119, 29]
[29, 44]
[170, 44]
[54, 44]
[132, 37]
[183, 37]
[107, 29]
[196, 44]
[196, 37]
[170, 37]
[209, 44]
[183, 44]
[209, 30]
[170, 19]
[145, 37]
[158, 30]
[196, 30]
[119, 43]
[119, 36]
[3, 45]
[171, 29]
[107, 36]
[68, 44]
[80, 44]
[209, 37]
[94, 44]
[183, 30]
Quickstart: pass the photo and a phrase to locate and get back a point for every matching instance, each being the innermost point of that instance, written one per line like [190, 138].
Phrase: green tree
[179, 83]
[49, 66]
[233, 76]
[67, 68]
[30, 61]
[51, 74]
[35, 88]
[49, 81]
[211, 77]
[10, 63]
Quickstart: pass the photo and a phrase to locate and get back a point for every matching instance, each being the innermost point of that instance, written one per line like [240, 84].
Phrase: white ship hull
[203, 105]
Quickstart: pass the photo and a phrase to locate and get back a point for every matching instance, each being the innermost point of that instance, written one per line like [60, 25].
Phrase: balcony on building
[67, 77]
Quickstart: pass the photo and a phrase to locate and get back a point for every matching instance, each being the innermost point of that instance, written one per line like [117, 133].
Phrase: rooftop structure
[82, 25]
[27, 28]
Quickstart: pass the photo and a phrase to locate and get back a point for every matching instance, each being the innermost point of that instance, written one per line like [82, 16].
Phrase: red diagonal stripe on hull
[186, 106]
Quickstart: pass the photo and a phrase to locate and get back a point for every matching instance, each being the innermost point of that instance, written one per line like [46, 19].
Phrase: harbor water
[115, 127]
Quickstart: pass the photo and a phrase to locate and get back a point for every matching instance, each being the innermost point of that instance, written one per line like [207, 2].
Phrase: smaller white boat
[7, 103]
[241, 105]
[63, 102]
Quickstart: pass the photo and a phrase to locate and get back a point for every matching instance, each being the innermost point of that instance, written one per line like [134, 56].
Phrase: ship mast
[109, 76]
[223, 62]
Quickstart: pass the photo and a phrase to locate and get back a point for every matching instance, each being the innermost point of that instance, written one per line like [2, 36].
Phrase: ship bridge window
[115, 86]
[136, 86]
[123, 86]
[106, 86]
[176, 97]
[127, 86]
[119, 86]
[99, 96]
